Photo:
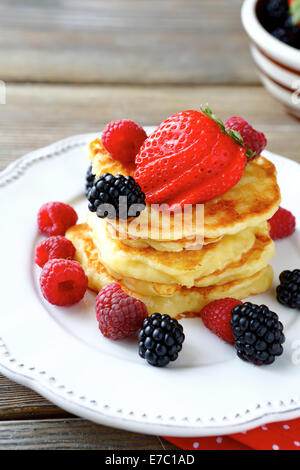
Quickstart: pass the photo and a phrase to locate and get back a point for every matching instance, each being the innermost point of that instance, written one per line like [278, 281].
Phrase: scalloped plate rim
[95, 415]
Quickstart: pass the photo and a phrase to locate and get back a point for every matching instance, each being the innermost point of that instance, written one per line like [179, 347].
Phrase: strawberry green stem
[234, 135]
[294, 9]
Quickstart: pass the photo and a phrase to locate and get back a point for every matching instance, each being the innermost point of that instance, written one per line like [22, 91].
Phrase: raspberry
[283, 224]
[118, 314]
[253, 139]
[122, 139]
[63, 282]
[54, 218]
[216, 317]
[54, 247]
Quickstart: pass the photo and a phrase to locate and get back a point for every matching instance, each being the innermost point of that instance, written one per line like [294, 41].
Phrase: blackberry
[293, 32]
[276, 12]
[282, 35]
[288, 291]
[257, 332]
[160, 339]
[275, 17]
[116, 196]
[291, 26]
[89, 180]
[288, 36]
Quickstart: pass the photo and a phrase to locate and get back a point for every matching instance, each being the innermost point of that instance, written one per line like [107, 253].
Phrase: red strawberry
[189, 159]
[216, 317]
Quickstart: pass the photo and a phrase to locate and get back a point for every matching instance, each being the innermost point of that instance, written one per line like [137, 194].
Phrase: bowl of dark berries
[273, 27]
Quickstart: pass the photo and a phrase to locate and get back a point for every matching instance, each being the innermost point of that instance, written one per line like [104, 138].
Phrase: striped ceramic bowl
[278, 64]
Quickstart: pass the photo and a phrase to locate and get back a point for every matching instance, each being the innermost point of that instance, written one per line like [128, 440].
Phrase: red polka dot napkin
[275, 436]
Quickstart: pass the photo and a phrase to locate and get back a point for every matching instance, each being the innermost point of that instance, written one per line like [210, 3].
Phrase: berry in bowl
[273, 27]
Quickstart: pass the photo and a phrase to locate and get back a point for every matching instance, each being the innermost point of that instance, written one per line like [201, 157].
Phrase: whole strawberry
[282, 224]
[253, 139]
[216, 316]
[123, 139]
[119, 315]
[189, 159]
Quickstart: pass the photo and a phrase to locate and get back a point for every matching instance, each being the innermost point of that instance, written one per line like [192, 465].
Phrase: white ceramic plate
[60, 353]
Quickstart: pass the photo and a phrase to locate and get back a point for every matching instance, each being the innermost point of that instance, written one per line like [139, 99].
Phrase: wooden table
[72, 66]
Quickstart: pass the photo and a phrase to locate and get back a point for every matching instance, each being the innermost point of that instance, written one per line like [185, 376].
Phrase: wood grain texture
[18, 402]
[74, 434]
[117, 41]
[37, 115]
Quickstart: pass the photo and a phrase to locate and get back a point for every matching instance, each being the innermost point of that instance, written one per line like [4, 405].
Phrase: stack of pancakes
[179, 270]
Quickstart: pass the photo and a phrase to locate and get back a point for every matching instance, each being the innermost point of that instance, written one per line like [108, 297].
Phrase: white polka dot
[286, 426]
[196, 445]
[264, 428]
[275, 447]
[297, 443]
[219, 440]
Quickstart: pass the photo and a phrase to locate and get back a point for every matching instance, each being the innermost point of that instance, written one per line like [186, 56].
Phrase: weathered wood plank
[73, 434]
[118, 41]
[37, 115]
[18, 402]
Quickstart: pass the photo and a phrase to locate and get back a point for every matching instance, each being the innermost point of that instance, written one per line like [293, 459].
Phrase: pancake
[181, 268]
[254, 199]
[183, 301]
[194, 243]
[250, 263]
